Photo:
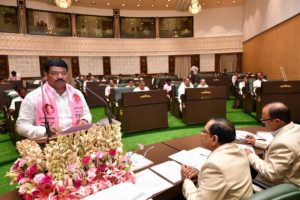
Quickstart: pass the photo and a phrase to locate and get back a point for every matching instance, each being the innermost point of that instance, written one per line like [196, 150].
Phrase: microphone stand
[107, 111]
[48, 132]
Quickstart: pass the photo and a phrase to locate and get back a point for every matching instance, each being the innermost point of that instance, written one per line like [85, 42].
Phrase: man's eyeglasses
[263, 120]
[204, 131]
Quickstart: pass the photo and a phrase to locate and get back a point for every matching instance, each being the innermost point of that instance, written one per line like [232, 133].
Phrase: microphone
[107, 111]
[48, 132]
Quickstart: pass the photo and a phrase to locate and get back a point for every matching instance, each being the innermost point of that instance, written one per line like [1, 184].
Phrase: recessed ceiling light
[93, 2]
[138, 5]
[218, 3]
[203, 4]
[233, 2]
[107, 3]
[169, 0]
[153, 5]
[139, 0]
[76, 1]
[123, 4]
[167, 5]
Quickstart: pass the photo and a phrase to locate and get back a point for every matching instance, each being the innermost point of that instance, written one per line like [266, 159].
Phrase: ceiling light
[195, 7]
[203, 4]
[233, 2]
[153, 5]
[169, 0]
[167, 5]
[107, 3]
[218, 3]
[123, 4]
[63, 3]
[93, 2]
[138, 5]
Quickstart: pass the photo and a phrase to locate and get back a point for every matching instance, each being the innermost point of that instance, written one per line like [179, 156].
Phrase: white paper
[171, 170]
[124, 191]
[241, 135]
[139, 161]
[267, 136]
[151, 182]
[195, 157]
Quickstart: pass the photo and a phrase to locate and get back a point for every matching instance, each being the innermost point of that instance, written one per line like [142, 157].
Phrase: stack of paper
[267, 136]
[241, 135]
[151, 182]
[124, 191]
[194, 157]
[170, 170]
[139, 162]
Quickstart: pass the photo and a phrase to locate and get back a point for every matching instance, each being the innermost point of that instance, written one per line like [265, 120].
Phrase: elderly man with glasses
[282, 160]
[226, 173]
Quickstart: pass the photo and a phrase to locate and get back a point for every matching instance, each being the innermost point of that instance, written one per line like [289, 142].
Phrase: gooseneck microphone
[48, 132]
[107, 111]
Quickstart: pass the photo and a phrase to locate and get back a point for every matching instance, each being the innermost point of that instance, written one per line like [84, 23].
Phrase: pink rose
[32, 171]
[35, 192]
[42, 179]
[86, 159]
[112, 152]
[99, 154]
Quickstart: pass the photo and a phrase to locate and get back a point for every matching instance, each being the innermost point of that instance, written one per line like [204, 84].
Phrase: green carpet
[177, 129]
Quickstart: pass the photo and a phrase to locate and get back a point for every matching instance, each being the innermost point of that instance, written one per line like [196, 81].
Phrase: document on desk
[195, 157]
[267, 136]
[241, 135]
[151, 182]
[124, 191]
[139, 161]
[171, 170]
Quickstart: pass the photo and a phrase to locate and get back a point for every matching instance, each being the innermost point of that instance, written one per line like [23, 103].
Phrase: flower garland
[73, 166]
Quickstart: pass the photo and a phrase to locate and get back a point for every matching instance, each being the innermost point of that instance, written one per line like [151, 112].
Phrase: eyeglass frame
[268, 119]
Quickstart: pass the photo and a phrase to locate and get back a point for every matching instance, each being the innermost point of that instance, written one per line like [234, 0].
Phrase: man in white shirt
[110, 86]
[130, 83]
[257, 83]
[22, 91]
[242, 84]
[234, 78]
[141, 87]
[168, 87]
[88, 79]
[64, 99]
[181, 90]
[202, 84]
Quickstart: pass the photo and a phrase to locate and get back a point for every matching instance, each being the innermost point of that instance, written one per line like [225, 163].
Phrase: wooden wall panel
[279, 46]
[143, 65]
[106, 65]
[4, 67]
[171, 64]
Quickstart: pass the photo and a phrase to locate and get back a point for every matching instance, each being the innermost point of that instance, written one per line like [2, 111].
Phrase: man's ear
[215, 139]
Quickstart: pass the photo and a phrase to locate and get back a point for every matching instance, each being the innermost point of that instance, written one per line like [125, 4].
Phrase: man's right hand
[54, 130]
[189, 172]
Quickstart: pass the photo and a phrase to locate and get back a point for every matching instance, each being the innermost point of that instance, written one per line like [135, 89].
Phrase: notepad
[139, 161]
[171, 170]
[124, 191]
[151, 182]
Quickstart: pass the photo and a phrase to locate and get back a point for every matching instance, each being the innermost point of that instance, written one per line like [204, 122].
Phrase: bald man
[282, 159]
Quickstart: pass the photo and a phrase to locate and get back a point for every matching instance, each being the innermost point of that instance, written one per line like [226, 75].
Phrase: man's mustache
[60, 80]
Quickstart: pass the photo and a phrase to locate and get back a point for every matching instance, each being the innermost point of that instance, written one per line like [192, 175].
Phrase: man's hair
[224, 129]
[19, 88]
[280, 112]
[55, 62]
[129, 80]
[14, 73]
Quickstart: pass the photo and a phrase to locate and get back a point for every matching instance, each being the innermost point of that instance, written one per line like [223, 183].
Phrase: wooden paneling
[143, 64]
[106, 65]
[4, 68]
[195, 60]
[279, 46]
[43, 61]
[75, 66]
[171, 64]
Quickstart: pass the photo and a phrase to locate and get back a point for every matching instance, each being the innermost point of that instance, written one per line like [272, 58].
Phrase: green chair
[283, 191]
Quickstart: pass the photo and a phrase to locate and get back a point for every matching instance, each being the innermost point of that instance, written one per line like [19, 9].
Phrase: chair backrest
[119, 91]
[283, 191]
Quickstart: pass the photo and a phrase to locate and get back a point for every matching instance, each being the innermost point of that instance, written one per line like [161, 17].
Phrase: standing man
[226, 173]
[181, 90]
[60, 96]
[282, 160]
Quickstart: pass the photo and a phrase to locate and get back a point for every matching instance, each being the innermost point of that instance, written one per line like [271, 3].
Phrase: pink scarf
[75, 103]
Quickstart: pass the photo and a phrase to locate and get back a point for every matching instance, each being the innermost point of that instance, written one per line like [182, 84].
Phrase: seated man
[282, 159]
[130, 83]
[181, 90]
[257, 83]
[88, 79]
[226, 173]
[69, 107]
[141, 88]
[168, 87]
[111, 85]
[202, 84]
[14, 76]
[22, 91]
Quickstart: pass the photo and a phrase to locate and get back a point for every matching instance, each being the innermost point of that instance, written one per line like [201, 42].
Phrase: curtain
[228, 62]
[182, 66]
